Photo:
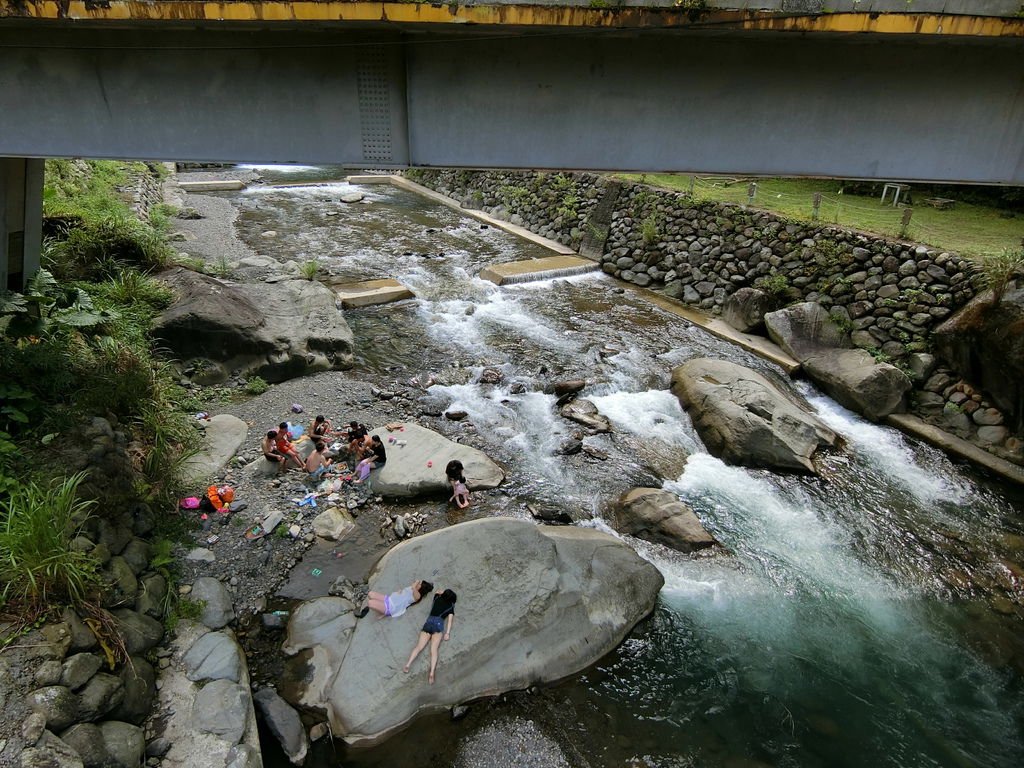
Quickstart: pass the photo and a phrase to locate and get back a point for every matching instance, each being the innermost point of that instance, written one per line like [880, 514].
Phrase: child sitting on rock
[316, 463]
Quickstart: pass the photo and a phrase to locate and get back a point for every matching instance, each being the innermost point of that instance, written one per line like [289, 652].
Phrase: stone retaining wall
[889, 294]
[144, 191]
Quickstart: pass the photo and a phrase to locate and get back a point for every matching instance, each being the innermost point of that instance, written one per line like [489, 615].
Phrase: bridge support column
[21, 220]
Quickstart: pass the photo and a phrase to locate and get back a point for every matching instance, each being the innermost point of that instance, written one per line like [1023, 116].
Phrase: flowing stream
[866, 617]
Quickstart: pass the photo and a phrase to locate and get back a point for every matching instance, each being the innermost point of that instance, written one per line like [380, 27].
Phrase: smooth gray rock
[855, 380]
[274, 330]
[125, 743]
[745, 309]
[57, 704]
[407, 474]
[79, 669]
[32, 728]
[318, 622]
[140, 633]
[82, 638]
[87, 740]
[243, 756]
[138, 678]
[222, 708]
[284, 723]
[219, 609]
[152, 593]
[113, 535]
[541, 603]
[124, 586]
[50, 752]
[100, 695]
[659, 516]
[804, 329]
[333, 524]
[214, 656]
[136, 554]
[223, 436]
[585, 412]
[49, 673]
[921, 366]
[745, 418]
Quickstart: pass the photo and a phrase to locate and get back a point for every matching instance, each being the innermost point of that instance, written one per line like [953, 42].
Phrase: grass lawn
[971, 230]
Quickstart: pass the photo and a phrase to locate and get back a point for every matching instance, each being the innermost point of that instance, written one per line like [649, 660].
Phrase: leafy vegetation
[998, 270]
[39, 564]
[256, 385]
[650, 231]
[309, 269]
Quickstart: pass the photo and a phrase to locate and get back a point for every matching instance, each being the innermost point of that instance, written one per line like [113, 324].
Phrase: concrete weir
[371, 292]
[538, 269]
[215, 185]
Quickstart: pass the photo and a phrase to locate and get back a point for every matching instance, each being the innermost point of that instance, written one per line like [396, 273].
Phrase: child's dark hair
[425, 588]
[375, 438]
[283, 425]
[450, 596]
[319, 445]
[354, 424]
[272, 434]
[319, 418]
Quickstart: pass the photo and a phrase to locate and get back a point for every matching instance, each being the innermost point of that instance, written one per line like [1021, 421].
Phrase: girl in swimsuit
[396, 603]
[440, 620]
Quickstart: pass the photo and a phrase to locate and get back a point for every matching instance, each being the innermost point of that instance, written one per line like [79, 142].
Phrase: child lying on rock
[441, 618]
[396, 603]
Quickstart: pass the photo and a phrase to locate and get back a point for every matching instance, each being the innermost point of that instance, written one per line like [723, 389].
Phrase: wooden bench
[942, 203]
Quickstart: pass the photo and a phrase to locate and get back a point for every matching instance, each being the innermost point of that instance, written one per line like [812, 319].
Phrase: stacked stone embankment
[889, 294]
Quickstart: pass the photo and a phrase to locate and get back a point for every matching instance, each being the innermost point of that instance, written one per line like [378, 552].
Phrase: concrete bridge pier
[21, 220]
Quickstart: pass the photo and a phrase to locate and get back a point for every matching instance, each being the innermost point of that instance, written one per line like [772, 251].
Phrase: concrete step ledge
[956, 446]
[370, 293]
[222, 185]
[537, 269]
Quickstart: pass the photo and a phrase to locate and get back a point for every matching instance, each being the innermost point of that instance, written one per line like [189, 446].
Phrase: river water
[866, 617]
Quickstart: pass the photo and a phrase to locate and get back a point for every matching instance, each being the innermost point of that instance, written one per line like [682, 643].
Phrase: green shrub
[649, 230]
[101, 247]
[309, 269]
[38, 565]
[997, 271]
[256, 385]
[776, 284]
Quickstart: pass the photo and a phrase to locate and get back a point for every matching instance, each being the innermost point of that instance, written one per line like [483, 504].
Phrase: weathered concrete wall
[889, 294]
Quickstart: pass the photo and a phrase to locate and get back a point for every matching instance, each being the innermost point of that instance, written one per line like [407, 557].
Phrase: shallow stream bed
[867, 617]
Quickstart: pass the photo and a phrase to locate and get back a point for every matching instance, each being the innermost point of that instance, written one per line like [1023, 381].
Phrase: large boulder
[805, 329]
[744, 418]
[284, 723]
[274, 330]
[850, 376]
[745, 309]
[536, 604]
[985, 344]
[417, 467]
[223, 435]
[218, 609]
[659, 516]
[854, 379]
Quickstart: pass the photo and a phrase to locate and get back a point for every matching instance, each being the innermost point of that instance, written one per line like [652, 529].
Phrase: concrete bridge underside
[909, 107]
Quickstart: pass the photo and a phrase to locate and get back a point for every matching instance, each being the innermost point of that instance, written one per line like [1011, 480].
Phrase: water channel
[866, 617]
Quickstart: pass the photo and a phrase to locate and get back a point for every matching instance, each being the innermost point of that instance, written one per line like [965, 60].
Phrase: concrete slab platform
[371, 292]
[370, 178]
[537, 269]
[214, 185]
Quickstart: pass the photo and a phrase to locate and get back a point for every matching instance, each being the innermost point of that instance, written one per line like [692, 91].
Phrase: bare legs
[420, 645]
[375, 601]
[435, 642]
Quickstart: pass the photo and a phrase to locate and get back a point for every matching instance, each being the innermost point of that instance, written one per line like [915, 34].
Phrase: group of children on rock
[365, 452]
